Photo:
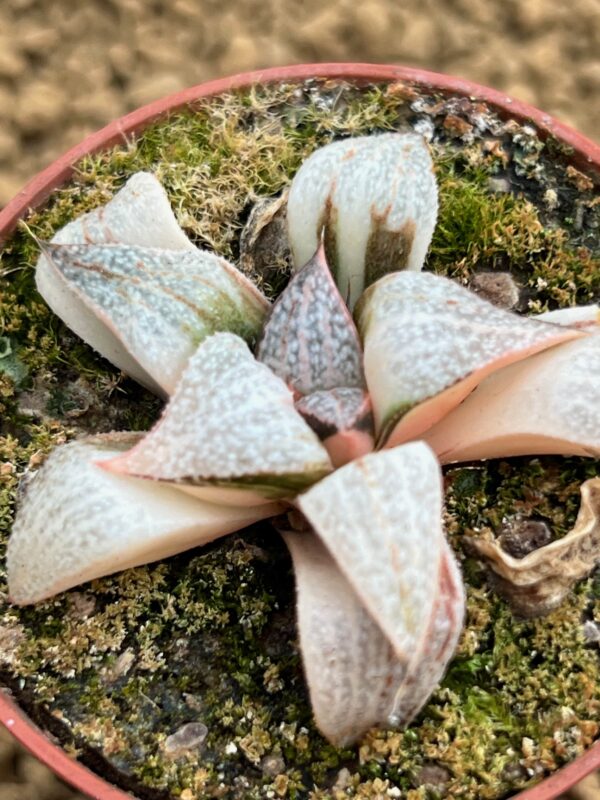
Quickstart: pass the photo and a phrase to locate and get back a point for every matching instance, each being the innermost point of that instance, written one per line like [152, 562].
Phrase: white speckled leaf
[582, 317]
[309, 339]
[230, 424]
[139, 214]
[157, 304]
[351, 668]
[78, 522]
[430, 661]
[374, 198]
[311, 342]
[428, 342]
[549, 403]
[381, 519]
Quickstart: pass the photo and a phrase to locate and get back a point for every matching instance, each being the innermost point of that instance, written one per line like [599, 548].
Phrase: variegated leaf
[549, 403]
[381, 519]
[78, 522]
[139, 214]
[430, 661]
[230, 432]
[582, 317]
[311, 342]
[374, 199]
[146, 309]
[310, 339]
[351, 668]
[429, 342]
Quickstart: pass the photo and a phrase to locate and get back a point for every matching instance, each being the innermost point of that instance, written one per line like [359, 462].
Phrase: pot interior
[114, 667]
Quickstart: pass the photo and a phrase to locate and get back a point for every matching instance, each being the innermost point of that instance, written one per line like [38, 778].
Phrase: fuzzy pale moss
[116, 666]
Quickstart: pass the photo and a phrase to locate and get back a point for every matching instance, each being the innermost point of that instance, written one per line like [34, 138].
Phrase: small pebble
[120, 667]
[591, 631]
[343, 780]
[434, 776]
[82, 605]
[190, 736]
[499, 288]
[499, 185]
[272, 765]
[456, 126]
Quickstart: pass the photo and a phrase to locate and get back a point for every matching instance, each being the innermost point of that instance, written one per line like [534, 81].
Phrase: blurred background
[67, 67]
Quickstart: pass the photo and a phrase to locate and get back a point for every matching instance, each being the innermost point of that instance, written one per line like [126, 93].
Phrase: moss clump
[115, 667]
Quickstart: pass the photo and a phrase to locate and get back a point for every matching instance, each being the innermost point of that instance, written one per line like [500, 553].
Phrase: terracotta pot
[584, 153]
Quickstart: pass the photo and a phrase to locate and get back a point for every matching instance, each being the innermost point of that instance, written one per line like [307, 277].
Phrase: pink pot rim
[585, 153]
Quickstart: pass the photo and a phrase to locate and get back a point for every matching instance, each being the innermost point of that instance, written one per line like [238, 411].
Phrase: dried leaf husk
[265, 254]
[538, 583]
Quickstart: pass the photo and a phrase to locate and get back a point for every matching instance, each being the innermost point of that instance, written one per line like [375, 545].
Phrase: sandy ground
[68, 67]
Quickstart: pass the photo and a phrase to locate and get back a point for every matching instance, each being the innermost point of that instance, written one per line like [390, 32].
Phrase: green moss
[114, 667]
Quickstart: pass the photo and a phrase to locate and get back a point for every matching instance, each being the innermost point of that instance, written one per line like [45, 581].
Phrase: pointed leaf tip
[230, 432]
[375, 200]
[585, 318]
[381, 519]
[77, 522]
[429, 342]
[311, 342]
[309, 339]
[343, 420]
[139, 214]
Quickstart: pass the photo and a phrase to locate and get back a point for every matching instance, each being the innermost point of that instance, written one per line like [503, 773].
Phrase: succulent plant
[295, 412]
